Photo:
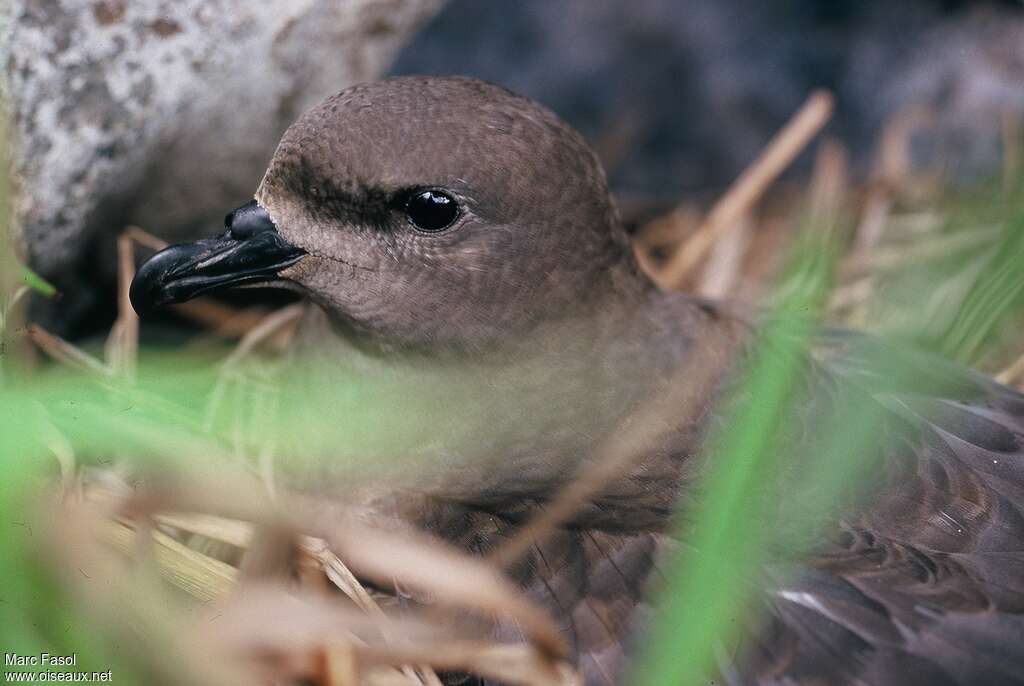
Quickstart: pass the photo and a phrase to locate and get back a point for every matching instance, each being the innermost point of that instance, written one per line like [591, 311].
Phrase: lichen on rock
[163, 113]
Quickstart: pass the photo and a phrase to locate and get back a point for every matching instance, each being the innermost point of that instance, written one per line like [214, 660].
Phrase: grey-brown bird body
[461, 238]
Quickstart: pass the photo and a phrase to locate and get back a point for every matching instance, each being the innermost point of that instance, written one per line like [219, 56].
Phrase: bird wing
[597, 581]
[925, 584]
[593, 582]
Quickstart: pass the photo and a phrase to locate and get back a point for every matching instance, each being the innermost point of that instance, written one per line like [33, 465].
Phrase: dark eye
[431, 210]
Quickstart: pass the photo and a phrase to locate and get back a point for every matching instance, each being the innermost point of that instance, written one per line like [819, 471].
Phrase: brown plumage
[528, 305]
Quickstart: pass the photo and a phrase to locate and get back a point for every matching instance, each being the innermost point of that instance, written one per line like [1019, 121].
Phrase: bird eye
[431, 210]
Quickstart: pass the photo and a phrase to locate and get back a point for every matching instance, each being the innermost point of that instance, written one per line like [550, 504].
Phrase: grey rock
[164, 113]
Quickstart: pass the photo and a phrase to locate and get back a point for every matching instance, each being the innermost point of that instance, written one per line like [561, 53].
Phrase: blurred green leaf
[709, 584]
[37, 283]
[995, 294]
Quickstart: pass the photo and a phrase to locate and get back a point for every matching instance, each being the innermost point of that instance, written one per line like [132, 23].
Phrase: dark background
[679, 95]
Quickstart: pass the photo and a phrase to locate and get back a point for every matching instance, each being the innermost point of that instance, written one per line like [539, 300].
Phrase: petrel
[458, 237]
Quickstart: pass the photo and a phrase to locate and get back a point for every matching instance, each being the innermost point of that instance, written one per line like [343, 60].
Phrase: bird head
[422, 211]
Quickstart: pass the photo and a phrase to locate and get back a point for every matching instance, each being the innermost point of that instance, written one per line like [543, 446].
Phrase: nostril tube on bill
[247, 221]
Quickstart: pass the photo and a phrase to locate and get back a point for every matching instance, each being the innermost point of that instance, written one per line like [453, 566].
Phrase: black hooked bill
[250, 251]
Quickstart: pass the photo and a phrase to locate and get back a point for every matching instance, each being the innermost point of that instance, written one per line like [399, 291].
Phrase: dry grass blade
[67, 353]
[669, 229]
[232, 531]
[1013, 374]
[892, 174]
[873, 220]
[284, 631]
[829, 185]
[202, 577]
[721, 273]
[145, 238]
[451, 578]
[342, 577]
[848, 301]
[268, 327]
[123, 343]
[346, 581]
[297, 634]
[750, 186]
[648, 265]
[19, 294]
[341, 666]
[272, 554]
[275, 324]
[268, 630]
[899, 257]
[240, 534]
[124, 605]
[62, 450]
[223, 320]
[518, 666]
[214, 486]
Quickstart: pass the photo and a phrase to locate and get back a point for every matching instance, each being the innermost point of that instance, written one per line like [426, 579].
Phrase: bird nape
[466, 258]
